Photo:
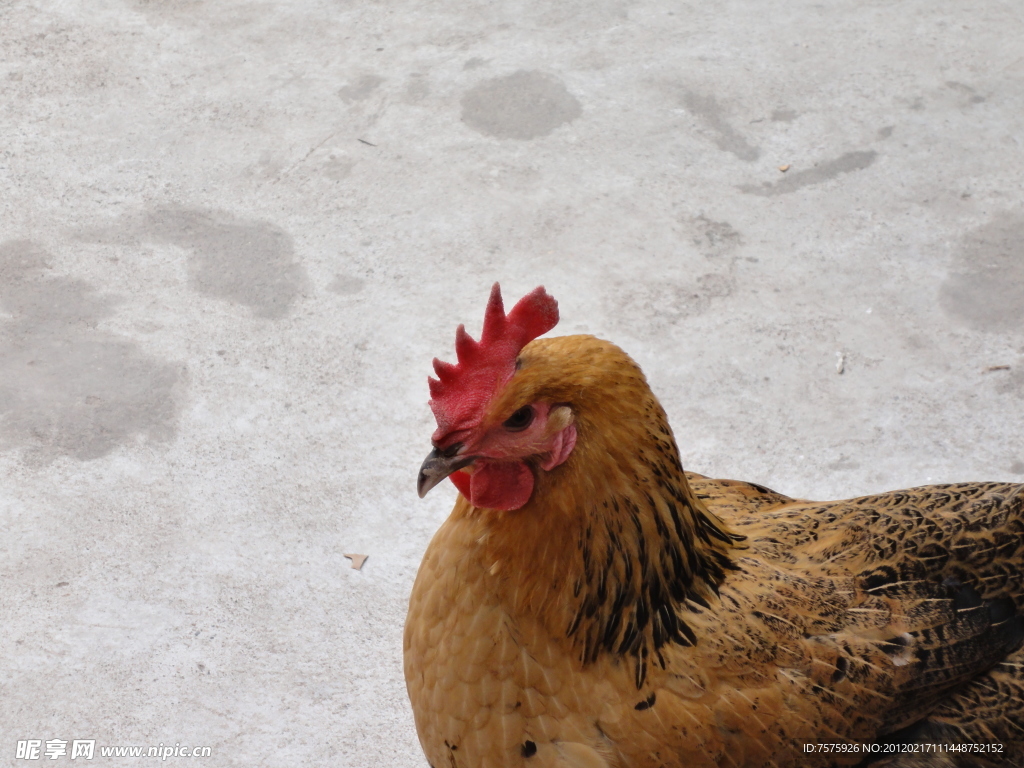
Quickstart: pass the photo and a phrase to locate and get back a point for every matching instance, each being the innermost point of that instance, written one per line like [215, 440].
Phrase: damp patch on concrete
[417, 88]
[346, 285]
[247, 262]
[66, 387]
[361, 89]
[970, 95]
[1012, 384]
[338, 168]
[985, 288]
[826, 171]
[714, 237]
[726, 138]
[158, 9]
[665, 304]
[844, 463]
[524, 105]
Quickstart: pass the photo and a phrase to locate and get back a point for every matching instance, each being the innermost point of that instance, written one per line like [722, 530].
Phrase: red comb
[460, 392]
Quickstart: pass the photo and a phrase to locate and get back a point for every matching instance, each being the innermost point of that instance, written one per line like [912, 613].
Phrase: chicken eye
[519, 420]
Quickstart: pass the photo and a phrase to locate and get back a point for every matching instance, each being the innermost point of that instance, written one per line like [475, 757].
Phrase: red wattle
[504, 485]
[461, 481]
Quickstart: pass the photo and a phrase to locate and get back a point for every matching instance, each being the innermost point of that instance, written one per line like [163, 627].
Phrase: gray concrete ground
[233, 234]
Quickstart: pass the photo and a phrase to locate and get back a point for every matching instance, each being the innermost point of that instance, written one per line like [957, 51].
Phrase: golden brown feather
[631, 615]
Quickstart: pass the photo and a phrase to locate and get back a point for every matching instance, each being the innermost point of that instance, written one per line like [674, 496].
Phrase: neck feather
[613, 549]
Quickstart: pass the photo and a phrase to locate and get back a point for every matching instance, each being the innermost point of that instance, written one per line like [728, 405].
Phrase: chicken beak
[438, 465]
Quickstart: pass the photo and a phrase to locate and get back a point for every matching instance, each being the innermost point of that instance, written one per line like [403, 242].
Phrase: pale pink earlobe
[564, 442]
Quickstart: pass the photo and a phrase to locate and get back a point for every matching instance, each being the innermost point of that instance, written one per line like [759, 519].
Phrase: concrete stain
[247, 262]
[416, 89]
[1017, 468]
[161, 8]
[67, 388]
[1012, 384]
[665, 304]
[727, 138]
[361, 89]
[971, 95]
[985, 288]
[794, 180]
[346, 285]
[338, 168]
[844, 463]
[524, 105]
[714, 237]
[784, 116]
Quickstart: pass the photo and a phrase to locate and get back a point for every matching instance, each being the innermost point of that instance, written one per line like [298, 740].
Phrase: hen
[589, 604]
